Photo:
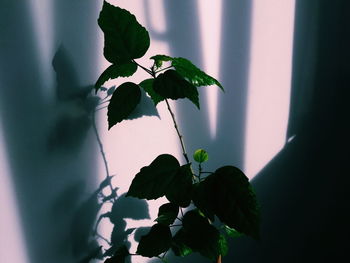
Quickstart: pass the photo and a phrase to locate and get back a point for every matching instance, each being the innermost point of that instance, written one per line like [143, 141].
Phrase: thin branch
[102, 152]
[145, 69]
[178, 132]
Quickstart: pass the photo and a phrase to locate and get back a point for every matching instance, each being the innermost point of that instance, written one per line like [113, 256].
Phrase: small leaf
[114, 71]
[172, 85]
[200, 156]
[180, 189]
[193, 74]
[157, 241]
[231, 198]
[124, 100]
[147, 85]
[167, 214]
[125, 38]
[154, 180]
[159, 59]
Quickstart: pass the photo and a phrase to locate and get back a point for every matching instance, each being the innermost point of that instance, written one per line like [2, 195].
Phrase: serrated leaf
[223, 246]
[159, 59]
[157, 241]
[147, 85]
[124, 100]
[125, 38]
[200, 156]
[180, 189]
[167, 214]
[193, 74]
[114, 71]
[231, 198]
[199, 235]
[154, 180]
[172, 85]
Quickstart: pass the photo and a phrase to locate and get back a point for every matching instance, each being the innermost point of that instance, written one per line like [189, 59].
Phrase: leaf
[159, 59]
[198, 235]
[200, 156]
[114, 71]
[223, 246]
[172, 85]
[180, 188]
[154, 180]
[231, 198]
[193, 74]
[231, 232]
[178, 245]
[167, 214]
[124, 100]
[157, 241]
[144, 108]
[125, 38]
[147, 85]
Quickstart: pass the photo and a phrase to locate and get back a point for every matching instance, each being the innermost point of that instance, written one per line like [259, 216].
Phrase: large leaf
[114, 71]
[154, 180]
[180, 189]
[124, 100]
[147, 85]
[157, 241]
[125, 38]
[228, 194]
[172, 85]
[197, 235]
[167, 214]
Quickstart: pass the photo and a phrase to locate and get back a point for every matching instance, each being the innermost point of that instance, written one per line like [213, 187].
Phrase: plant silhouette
[224, 195]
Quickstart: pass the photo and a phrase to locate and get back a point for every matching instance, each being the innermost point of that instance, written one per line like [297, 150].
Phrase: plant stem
[102, 152]
[178, 132]
[163, 69]
[145, 69]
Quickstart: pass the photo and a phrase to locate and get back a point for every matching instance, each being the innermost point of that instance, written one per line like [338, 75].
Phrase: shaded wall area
[303, 191]
[50, 150]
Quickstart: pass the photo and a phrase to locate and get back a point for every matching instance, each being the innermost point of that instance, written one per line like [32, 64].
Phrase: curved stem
[178, 133]
[145, 69]
[102, 152]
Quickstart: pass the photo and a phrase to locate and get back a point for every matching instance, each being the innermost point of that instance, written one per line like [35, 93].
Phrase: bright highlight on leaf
[200, 156]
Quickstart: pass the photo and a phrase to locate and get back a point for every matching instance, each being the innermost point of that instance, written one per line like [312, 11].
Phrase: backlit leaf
[157, 241]
[200, 156]
[193, 74]
[114, 71]
[171, 85]
[124, 100]
[125, 38]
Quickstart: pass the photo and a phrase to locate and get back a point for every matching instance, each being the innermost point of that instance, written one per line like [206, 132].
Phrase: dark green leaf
[193, 74]
[159, 59]
[231, 198]
[167, 214]
[198, 235]
[144, 108]
[147, 85]
[124, 100]
[171, 85]
[200, 156]
[180, 188]
[223, 246]
[114, 71]
[178, 244]
[157, 241]
[154, 180]
[125, 38]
